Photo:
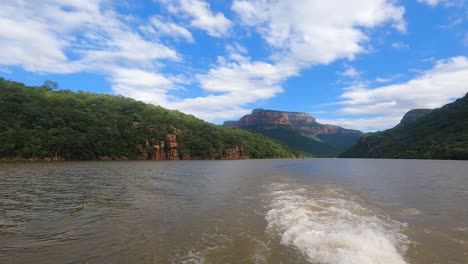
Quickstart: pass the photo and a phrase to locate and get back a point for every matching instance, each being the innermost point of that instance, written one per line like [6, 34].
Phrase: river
[252, 211]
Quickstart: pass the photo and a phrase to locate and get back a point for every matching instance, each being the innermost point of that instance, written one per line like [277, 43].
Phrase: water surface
[254, 211]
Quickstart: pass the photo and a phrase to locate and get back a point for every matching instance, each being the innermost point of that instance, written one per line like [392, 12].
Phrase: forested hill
[439, 134]
[40, 123]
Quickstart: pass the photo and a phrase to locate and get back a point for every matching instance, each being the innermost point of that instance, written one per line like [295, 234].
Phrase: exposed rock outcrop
[172, 153]
[272, 119]
[236, 153]
[167, 149]
[160, 150]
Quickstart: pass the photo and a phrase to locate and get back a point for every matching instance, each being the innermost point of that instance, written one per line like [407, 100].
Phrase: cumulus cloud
[72, 36]
[447, 3]
[430, 2]
[446, 81]
[388, 79]
[159, 28]
[369, 124]
[317, 32]
[350, 72]
[201, 16]
[234, 83]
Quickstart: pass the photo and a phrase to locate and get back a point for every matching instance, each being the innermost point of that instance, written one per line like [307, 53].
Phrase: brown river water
[253, 211]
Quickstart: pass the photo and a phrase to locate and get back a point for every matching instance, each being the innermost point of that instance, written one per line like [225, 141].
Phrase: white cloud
[437, 2]
[72, 36]
[312, 32]
[234, 83]
[350, 72]
[201, 16]
[400, 45]
[152, 87]
[430, 2]
[447, 80]
[158, 28]
[369, 124]
[434, 3]
[388, 79]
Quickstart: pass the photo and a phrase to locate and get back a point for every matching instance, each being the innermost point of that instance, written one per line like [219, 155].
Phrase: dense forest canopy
[440, 134]
[43, 122]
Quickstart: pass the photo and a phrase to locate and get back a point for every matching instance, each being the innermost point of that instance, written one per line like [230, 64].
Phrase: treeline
[40, 122]
[310, 146]
[441, 134]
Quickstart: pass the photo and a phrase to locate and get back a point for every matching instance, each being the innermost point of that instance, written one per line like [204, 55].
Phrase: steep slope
[39, 123]
[414, 115]
[440, 134]
[299, 131]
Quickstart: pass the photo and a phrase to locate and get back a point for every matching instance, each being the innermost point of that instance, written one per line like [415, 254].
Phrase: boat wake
[328, 225]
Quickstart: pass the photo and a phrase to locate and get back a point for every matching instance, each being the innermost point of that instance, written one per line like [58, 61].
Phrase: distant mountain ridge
[422, 134]
[300, 131]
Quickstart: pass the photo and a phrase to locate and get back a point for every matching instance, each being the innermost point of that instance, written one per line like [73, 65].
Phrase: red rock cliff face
[168, 150]
[236, 153]
[270, 119]
[159, 150]
[172, 153]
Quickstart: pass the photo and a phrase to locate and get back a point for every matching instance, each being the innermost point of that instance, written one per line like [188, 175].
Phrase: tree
[50, 85]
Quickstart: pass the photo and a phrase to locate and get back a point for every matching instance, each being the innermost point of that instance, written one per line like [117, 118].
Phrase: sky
[360, 64]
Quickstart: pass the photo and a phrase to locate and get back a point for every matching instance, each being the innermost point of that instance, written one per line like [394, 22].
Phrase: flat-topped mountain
[423, 134]
[300, 131]
[273, 119]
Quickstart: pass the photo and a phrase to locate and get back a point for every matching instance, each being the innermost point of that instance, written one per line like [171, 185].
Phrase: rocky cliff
[272, 119]
[167, 149]
[299, 131]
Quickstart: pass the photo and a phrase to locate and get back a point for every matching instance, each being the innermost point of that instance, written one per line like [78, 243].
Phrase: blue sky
[361, 64]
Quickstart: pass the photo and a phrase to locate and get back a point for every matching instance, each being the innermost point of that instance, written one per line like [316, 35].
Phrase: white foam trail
[329, 226]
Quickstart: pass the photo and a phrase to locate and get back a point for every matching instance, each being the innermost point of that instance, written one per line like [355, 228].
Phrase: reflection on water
[257, 211]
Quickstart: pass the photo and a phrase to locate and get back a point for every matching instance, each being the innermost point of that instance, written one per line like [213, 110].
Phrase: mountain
[42, 124]
[414, 115]
[299, 131]
[423, 134]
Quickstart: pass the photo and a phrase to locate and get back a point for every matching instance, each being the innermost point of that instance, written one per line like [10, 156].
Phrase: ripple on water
[328, 225]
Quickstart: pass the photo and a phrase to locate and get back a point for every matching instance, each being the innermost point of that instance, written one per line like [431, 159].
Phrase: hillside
[414, 115]
[438, 134]
[39, 123]
[299, 131]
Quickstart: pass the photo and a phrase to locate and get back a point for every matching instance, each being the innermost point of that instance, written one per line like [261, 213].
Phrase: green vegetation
[441, 134]
[38, 122]
[309, 145]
